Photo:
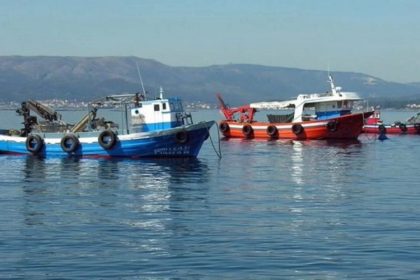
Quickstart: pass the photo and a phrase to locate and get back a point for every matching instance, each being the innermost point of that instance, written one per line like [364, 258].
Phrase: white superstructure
[327, 105]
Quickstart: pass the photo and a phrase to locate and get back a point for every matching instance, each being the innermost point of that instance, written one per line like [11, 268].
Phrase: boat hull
[162, 143]
[390, 129]
[344, 127]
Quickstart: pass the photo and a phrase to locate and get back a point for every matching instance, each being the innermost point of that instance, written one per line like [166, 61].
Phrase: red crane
[246, 112]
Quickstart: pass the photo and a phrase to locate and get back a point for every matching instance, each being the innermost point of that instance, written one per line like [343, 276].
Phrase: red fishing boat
[374, 124]
[314, 116]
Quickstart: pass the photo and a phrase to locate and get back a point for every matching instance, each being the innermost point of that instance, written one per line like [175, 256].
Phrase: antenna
[333, 88]
[141, 80]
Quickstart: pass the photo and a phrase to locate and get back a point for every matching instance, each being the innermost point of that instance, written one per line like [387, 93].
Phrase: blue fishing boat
[149, 128]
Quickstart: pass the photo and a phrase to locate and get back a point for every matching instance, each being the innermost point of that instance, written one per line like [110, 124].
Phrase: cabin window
[156, 107]
[164, 106]
[136, 112]
[339, 104]
[345, 104]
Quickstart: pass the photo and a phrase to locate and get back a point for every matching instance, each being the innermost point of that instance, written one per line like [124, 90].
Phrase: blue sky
[376, 37]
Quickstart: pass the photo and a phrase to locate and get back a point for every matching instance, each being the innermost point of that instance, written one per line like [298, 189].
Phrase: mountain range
[87, 78]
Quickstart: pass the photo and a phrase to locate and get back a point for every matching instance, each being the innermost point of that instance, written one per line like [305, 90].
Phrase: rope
[218, 153]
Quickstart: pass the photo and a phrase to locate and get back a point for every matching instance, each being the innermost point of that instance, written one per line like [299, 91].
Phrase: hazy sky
[376, 37]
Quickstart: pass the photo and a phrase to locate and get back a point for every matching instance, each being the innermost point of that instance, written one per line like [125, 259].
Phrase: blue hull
[162, 143]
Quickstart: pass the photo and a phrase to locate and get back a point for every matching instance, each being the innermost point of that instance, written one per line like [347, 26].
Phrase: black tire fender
[332, 126]
[107, 139]
[417, 127]
[403, 127]
[247, 130]
[297, 129]
[272, 131]
[181, 137]
[382, 129]
[224, 127]
[34, 143]
[69, 143]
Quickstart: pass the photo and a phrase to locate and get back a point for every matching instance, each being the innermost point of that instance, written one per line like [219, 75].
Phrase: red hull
[375, 128]
[344, 127]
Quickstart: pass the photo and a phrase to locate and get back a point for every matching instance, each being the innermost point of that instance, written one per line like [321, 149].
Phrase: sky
[376, 37]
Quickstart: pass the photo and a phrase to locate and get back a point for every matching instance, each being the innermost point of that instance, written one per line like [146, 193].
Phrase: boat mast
[141, 80]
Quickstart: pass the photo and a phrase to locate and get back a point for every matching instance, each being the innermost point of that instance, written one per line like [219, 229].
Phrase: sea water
[268, 209]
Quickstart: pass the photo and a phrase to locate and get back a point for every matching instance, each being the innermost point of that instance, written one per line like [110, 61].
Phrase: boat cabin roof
[136, 100]
[310, 100]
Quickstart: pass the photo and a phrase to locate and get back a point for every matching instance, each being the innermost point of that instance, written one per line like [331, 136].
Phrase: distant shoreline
[204, 109]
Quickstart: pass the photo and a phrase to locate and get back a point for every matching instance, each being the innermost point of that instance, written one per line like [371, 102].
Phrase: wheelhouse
[161, 113]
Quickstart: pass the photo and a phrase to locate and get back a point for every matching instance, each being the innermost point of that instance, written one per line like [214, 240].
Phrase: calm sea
[267, 209]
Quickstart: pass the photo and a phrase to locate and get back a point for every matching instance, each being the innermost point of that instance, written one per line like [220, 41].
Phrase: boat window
[156, 107]
[339, 104]
[164, 106]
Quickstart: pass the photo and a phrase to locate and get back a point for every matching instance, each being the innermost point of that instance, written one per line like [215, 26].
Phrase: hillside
[86, 78]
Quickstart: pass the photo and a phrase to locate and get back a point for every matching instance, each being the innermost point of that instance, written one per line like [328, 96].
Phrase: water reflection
[303, 175]
[81, 177]
[135, 173]
[33, 169]
[72, 208]
[125, 196]
[280, 204]
[335, 158]
[297, 159]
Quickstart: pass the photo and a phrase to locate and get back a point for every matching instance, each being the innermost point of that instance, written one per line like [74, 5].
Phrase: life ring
[382, 129]
[272, 131]
[332, 126]
[247, 131]
[181, 137]
[224, 127]
[297, 129]
[34, 143]
[70, 143]
[403, 127]
[107, 139]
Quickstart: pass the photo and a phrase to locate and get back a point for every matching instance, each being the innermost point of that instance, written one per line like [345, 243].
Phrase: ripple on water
[267, 209]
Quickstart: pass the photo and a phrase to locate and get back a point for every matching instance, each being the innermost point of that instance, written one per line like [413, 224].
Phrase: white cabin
[325, 106]
[161, 113]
